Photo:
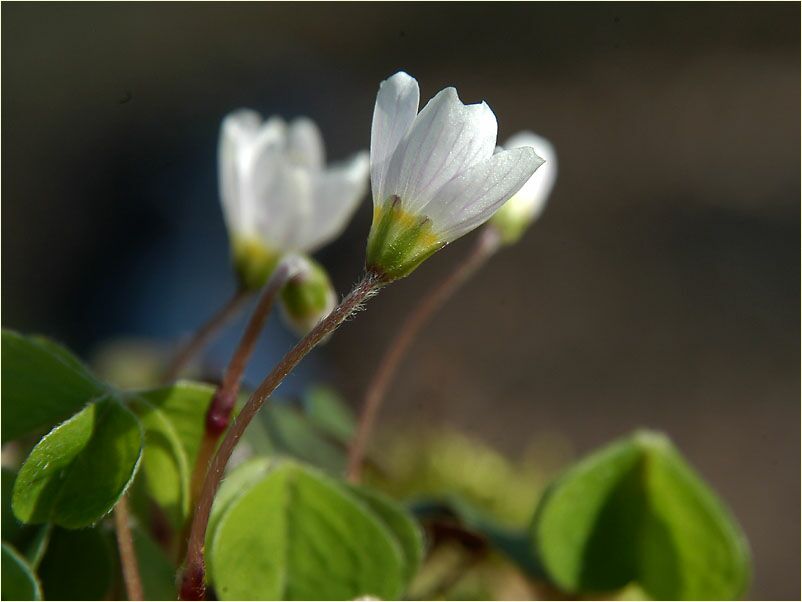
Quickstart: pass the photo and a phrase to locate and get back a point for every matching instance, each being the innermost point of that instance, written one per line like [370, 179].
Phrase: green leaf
[294, 435]
[406, 531]
[165, 465]
[78, 471]
[184, 404]
[18, 579]
[236, 483]
[636, 512]
[328, 412]
[11, 527]
[299, 535]
[78, 565]
[42, 384]
[155, 569]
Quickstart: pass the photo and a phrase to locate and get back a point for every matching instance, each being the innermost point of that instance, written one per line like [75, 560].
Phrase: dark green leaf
[42, 384]
[155, 569]
[11, 527]
[18, 579]
[298, 535]
[636, 512]
[406, 531]
[328, 412]
[294, 435]
[78, 565]
[78, 471]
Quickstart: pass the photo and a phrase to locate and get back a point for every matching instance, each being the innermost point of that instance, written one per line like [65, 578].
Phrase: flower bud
[525, 206]
[308, 297]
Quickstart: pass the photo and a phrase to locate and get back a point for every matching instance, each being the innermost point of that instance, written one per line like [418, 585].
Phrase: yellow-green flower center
[399, 241]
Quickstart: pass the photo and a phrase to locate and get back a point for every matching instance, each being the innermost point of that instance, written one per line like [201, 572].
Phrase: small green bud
[398, 241]
[307, 297]
[253, 262]
[526, 205]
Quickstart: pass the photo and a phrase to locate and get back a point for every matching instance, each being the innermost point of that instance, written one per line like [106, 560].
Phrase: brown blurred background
[660, 289]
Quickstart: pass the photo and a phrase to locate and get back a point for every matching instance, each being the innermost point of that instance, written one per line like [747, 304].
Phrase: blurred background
[660, 289]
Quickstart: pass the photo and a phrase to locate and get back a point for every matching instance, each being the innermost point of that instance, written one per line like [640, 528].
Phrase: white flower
[277, 194]
[526, 205]
[434, 174]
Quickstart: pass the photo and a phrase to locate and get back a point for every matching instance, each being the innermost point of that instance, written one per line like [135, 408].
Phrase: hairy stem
[192, 587]
[218, 415]
[487, 243]
[205, 334]
[125, 543]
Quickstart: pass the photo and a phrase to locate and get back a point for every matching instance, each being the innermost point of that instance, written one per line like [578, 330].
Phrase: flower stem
[125, 543]
[487, 244]
[218, 415]
[192, 586]
[205, 334]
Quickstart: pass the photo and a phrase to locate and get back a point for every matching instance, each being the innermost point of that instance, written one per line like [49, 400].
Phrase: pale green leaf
[406, 530]
[299, 535]
[635, 512]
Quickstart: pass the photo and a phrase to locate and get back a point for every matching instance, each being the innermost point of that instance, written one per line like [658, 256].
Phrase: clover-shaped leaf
[297, 534]
[78, 471]
[635, 512]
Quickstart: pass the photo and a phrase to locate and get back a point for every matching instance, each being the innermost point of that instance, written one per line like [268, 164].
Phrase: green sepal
[398, 241]
[308, 297]
[253, 262]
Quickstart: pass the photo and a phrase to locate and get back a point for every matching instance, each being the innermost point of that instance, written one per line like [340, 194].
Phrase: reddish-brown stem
[218, 415]
[487, 243]
[205, 334]
[125, 543]
[192, 586]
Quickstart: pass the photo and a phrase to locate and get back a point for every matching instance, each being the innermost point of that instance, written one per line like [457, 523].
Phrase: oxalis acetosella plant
[175, 491]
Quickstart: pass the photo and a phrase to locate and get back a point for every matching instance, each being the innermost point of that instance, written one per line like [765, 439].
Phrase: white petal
[447, 138]
[270, 138]
[280, 196]
[473, 196]
[336, 194]
[305, 144]
[237, 132]
[393, 115]
[533, 195]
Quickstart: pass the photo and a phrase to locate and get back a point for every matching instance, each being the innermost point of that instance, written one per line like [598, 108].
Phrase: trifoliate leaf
[635, 512]
[77, 472]
[299, 535]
